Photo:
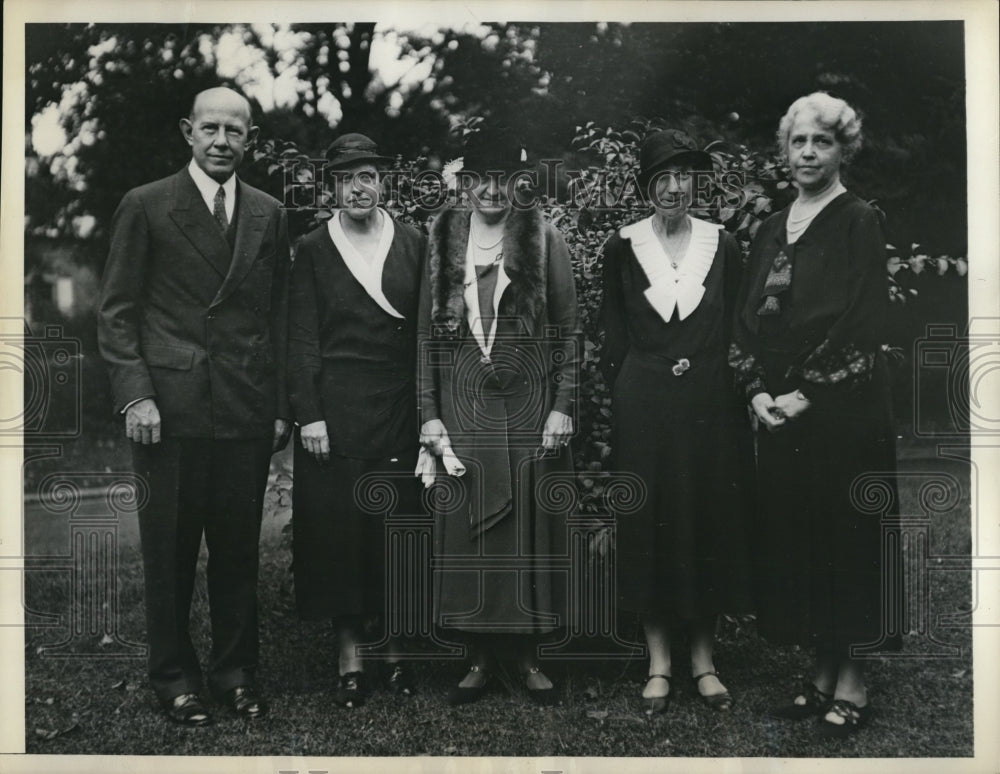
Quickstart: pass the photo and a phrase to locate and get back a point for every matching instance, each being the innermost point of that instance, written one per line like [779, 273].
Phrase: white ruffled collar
[669, 288]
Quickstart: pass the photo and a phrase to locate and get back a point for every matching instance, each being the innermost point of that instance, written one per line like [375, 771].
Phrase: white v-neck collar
[473, 313]
[369, 274]
[669, 288]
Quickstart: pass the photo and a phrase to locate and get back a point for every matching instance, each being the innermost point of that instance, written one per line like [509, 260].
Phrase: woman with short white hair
[807, 354]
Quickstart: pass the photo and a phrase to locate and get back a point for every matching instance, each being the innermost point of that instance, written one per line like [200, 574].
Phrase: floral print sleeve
[847, 355]
[841, 365]
[749, 374]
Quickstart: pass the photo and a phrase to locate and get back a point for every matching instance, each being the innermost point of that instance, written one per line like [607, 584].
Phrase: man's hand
[767, 412]
[316, 441]
[282, 432]
[142, 422]
[557, 431]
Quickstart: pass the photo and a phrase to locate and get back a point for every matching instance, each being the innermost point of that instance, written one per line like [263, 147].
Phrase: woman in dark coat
[352, 337]
[670, 283]
[807, 354]
[497, 381]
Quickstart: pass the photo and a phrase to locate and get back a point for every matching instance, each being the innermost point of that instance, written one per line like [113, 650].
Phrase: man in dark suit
[191, 323]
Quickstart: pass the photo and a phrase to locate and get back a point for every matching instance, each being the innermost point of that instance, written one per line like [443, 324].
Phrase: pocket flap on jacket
[165, 356]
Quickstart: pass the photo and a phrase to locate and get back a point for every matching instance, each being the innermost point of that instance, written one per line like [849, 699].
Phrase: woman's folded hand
[767, 411]
[791, 404]
[434, 436]
[316, 441]
[557, 431]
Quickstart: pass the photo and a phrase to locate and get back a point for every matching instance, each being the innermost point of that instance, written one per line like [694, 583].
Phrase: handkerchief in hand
[427, 465]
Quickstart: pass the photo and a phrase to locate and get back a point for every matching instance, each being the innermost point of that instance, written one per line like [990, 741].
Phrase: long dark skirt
[500, 537]
[820, 568]
[339, 530]
[502, 580]
[685, 551]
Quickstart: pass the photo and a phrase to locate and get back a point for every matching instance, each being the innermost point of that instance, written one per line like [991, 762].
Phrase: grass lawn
[80, 705]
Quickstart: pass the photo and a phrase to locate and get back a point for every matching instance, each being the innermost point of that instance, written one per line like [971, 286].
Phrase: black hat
[668, 147]
[494, 149]
[354, 148]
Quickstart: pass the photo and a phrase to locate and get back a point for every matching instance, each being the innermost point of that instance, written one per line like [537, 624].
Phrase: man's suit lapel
[197, 224]
[251, 222]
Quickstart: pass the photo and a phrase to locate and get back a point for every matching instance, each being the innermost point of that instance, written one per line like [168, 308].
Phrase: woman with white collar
[353, 298]
[670, 282]
[498, 381]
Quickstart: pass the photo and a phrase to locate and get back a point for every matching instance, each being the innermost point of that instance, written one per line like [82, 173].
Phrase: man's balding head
[219, 97]
[219, 131]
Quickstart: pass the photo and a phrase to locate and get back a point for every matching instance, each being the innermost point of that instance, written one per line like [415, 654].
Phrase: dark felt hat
[494, 149]
[669, 146]
[354, 148]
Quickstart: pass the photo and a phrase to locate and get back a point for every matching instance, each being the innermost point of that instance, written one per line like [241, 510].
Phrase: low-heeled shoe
[353, 690]
[655, 705]
[855, 718]
[546, 697]
[466, 695]
[720, 702]
[401, 681]
[809, 702]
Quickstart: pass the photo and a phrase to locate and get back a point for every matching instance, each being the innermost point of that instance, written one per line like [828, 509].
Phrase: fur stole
[524, 261]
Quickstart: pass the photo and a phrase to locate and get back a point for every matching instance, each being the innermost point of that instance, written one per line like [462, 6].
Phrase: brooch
[682, 365]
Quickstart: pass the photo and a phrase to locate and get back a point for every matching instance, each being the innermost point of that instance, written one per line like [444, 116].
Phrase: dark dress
[351, 364]
[684, 551]
[500, 528]
[819, 573]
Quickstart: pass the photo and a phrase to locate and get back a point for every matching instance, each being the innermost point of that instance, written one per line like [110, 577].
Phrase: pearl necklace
[475, 228]
[483, 248]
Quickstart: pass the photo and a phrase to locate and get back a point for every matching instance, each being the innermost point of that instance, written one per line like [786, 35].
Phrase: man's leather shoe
[245, 702]
[352, 690]
[187, 710]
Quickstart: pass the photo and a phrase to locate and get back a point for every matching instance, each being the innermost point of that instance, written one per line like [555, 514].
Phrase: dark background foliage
[906, 78]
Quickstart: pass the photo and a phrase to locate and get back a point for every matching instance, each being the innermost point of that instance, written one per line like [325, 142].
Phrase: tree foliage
[124, 87]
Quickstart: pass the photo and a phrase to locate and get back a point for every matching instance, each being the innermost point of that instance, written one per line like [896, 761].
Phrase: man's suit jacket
[187, 321]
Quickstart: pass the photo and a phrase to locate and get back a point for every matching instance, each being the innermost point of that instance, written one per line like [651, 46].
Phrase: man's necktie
[219, 210]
